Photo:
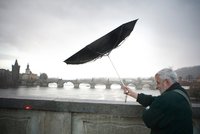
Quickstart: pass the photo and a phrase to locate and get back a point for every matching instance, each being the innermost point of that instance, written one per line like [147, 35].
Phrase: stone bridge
[137, 83]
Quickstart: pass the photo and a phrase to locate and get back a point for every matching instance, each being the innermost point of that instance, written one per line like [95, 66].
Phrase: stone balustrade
[65, 116]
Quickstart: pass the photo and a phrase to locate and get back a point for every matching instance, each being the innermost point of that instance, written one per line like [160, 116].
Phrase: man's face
[161, 84]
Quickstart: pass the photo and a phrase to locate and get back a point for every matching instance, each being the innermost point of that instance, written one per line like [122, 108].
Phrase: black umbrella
[102, 46]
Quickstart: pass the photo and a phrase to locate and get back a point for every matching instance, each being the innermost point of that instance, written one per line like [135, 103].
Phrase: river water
[68, 92]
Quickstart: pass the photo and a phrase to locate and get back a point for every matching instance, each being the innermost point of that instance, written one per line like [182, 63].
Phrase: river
[68, 92]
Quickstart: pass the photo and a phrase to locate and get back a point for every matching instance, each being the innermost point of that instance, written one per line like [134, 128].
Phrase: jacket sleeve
[145, 100]
[157, 115]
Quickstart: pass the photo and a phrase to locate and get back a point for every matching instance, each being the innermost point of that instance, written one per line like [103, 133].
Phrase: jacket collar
[174, 86]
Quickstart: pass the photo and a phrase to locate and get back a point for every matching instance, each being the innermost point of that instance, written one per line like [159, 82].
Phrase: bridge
[137, 83]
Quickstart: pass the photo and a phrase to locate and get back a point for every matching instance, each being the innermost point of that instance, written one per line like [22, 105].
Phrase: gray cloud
[49, 26]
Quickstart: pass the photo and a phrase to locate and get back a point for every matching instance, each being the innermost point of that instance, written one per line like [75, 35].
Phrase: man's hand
[129, 92]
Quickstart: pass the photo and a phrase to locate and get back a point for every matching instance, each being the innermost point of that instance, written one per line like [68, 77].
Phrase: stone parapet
[66, 116]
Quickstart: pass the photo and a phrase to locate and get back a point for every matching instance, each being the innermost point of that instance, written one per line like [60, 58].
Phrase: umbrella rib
[117, 42]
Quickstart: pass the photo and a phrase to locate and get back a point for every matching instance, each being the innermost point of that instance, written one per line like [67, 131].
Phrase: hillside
[189, 72]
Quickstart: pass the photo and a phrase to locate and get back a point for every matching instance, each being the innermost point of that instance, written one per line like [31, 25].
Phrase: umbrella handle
[118, 76]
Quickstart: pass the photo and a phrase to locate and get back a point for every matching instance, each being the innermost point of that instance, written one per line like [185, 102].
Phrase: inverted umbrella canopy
[102, 46]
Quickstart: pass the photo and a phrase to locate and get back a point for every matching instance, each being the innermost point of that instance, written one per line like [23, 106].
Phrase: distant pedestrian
[169, 113]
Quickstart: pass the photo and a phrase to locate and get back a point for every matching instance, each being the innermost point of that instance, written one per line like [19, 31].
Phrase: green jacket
[169, 113]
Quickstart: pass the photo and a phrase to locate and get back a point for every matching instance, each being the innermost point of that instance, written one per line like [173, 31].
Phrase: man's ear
[168, 82]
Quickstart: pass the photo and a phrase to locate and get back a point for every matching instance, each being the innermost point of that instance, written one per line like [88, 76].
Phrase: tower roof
[16, 63]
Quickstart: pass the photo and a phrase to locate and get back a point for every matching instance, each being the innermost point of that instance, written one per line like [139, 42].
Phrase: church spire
[16, 63]
[28, 71]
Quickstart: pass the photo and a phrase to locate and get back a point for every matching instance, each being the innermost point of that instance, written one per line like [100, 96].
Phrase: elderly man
[169, 113]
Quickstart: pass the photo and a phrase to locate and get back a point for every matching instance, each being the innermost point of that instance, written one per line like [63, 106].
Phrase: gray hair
[169, 74]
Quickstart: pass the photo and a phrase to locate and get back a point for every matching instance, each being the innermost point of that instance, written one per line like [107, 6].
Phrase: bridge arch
[132, 85]
[100, 85]
[115, 86]
[84, 85]
[69, 84]
[146, 86]
[52, 84]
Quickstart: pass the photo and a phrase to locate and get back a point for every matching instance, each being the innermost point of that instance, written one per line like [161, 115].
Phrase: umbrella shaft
[116, 71]
[118, 76]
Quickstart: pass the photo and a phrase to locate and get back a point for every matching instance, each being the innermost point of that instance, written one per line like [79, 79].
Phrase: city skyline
[45, 33]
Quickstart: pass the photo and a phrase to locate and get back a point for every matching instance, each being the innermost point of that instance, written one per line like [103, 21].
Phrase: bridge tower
[60, 83]
[92, 84]
[76, 84]
[15, 74]
[108, 84]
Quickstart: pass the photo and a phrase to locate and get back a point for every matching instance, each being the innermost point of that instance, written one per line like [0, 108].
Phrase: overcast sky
[43, 33]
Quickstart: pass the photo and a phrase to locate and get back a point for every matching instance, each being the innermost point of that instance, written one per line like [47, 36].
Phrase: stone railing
[59, 116]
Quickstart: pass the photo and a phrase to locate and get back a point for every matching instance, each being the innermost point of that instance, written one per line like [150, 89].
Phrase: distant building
[28, 78]
[15, 74]
[5, 78]
[10, 78]
[14, 78]
[198, 79]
